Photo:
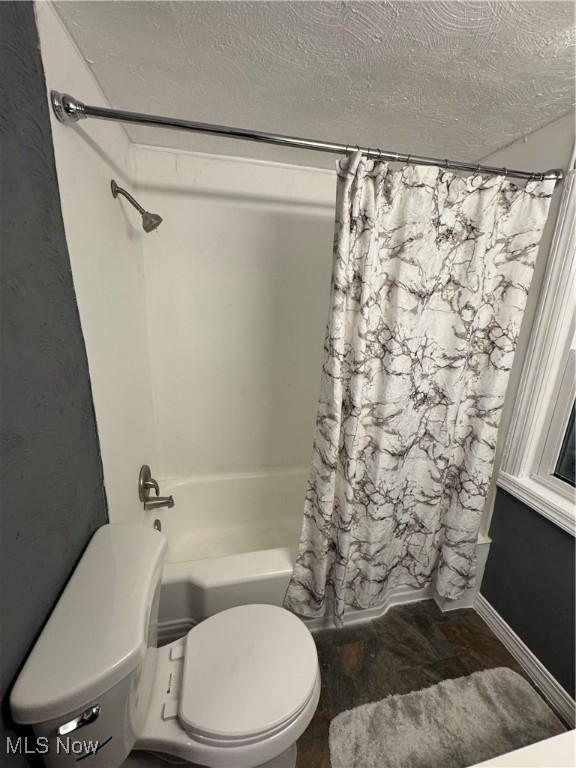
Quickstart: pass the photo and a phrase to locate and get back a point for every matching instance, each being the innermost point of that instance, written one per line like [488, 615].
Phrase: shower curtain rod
[69, 110]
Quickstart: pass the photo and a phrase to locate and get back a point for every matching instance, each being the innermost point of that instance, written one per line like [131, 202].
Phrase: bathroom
[197, 349]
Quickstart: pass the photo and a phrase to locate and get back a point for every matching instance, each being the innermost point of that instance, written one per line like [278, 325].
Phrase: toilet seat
[248, 672]
[175, 724]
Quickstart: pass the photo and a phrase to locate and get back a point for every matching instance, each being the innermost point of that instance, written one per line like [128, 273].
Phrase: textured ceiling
[457, 79]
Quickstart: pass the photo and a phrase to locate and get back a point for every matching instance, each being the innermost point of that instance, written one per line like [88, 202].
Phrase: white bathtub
[232, 540]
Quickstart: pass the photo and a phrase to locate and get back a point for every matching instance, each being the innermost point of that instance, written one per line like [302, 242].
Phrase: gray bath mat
[454, 724]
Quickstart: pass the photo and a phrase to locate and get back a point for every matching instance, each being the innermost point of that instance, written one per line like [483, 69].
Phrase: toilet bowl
[236, 692]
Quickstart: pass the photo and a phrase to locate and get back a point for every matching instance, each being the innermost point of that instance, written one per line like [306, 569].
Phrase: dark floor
[410, 648]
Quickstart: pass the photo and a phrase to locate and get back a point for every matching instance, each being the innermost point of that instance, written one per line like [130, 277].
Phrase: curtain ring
[477, 171]
[505, 172]
[408, 159]
[445, 164]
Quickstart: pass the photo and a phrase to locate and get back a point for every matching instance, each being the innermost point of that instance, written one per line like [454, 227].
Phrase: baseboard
[550, 688]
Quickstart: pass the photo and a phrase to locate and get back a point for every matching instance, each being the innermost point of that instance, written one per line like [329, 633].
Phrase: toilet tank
[85, 686]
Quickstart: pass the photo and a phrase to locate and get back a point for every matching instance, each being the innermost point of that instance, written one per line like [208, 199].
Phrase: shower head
[150, 221]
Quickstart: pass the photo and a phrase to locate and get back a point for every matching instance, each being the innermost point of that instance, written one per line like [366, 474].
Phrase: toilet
[236, 692]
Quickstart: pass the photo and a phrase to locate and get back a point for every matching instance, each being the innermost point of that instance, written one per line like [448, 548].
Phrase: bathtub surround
[52, 487]
[431, 274]
[234, 358]
[453, 724]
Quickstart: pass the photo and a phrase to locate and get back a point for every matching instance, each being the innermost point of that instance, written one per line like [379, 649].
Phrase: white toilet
[236, 692]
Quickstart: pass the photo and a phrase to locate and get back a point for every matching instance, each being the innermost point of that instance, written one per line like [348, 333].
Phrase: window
[564, 469]
[538, 458]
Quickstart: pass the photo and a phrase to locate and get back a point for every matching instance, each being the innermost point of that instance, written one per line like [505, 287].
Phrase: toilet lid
[247, 671]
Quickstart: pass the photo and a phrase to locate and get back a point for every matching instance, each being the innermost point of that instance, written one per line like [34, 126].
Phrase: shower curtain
[430, 279]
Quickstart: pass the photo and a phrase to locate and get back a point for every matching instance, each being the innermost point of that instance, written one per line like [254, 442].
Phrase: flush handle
[87, 717]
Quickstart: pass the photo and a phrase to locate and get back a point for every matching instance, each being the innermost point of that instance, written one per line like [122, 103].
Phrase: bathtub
[232, 540]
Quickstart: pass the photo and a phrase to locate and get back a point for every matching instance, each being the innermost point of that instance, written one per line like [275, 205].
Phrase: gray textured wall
[51, 493]
[529, 580]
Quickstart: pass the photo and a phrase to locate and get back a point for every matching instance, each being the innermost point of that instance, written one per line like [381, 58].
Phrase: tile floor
[411, 647]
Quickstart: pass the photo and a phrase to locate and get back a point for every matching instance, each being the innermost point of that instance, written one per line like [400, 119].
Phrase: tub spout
[156, 502]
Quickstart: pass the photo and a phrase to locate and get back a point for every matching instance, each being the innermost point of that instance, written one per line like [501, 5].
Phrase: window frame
[535, 434]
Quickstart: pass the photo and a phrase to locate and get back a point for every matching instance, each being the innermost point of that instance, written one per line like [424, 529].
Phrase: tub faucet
[146, 483]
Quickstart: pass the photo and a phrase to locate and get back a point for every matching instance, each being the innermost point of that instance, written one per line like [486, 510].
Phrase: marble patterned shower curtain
[430, 279]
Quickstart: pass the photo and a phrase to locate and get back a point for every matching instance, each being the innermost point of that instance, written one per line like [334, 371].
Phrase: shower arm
[69, 110]
[116, 190]
[150, 221]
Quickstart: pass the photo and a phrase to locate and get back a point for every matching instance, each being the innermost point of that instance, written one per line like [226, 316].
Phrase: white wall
[238, 281]
[105, 249]
[549, 147]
